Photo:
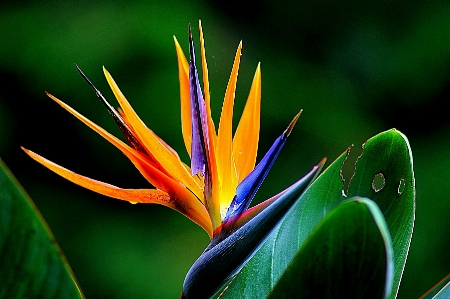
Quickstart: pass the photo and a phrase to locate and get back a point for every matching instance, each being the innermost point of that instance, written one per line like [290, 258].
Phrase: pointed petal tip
[78, 69]
[52, 97]
[258, 72]
[289, 129]
[86, 78]
[324, 159]
[191, 45]
[28, 152]
[317, 169]
[320, 164]
[190, 32]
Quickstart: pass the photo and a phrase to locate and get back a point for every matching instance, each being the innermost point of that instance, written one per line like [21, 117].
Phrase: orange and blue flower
[216, 189]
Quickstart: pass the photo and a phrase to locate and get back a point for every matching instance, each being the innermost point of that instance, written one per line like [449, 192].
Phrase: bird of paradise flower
[216, 190]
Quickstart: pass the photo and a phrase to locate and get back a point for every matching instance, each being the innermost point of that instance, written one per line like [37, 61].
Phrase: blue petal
[221, 261]
[198, 114]
[247, 189]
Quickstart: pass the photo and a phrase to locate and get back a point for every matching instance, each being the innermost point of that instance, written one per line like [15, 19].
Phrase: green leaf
[334, 261]
[31, 263]
[387, 153]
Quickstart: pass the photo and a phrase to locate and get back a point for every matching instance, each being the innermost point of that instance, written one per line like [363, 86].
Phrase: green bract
[388, 155]
[352, 246]
[31, 263]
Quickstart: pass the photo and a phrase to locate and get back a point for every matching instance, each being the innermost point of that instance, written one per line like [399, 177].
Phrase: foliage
[32, 264]
[354, 69]
[327, 246]
[386, 153]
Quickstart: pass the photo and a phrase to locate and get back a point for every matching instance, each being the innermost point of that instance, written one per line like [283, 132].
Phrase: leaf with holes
[31, 263]
[387, 153]
[352, 238]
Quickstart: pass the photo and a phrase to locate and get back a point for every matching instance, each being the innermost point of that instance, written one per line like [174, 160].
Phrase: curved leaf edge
[379, 221]
[392, 139]
[332, 172]
[29, 204]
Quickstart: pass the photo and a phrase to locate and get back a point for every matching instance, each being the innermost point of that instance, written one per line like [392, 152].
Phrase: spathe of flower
[216, 190]
[239, 238]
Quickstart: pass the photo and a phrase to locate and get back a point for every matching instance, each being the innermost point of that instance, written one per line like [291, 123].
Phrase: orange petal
[224, 147]
[245, 142]
[142, 162]
[199, 216]
[171, 164]
[124, 118]
[213, 199]
[183, 75]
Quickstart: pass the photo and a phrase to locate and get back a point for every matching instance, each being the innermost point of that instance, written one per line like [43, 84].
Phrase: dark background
[356, 70]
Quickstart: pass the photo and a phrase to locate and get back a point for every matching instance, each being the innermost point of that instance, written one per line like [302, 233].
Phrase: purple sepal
[247, 189]
[199, 118]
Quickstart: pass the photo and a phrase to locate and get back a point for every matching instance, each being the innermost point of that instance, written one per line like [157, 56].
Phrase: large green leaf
[387, 153]
[334, 261]
[31, 263]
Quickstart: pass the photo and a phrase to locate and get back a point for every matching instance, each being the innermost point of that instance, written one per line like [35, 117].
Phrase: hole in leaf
[348, 168]
[378, 182]
[401, 186]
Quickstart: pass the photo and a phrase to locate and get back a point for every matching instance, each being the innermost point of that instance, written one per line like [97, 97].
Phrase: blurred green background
[356, 70]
